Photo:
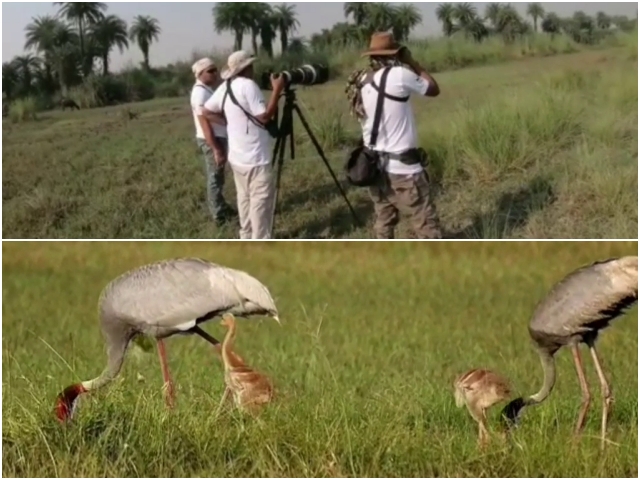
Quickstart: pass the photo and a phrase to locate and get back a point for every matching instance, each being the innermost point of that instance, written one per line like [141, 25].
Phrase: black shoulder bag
[271, 126]
[363, 165]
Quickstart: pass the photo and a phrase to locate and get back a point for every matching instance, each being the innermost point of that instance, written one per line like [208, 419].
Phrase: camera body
[307, 75]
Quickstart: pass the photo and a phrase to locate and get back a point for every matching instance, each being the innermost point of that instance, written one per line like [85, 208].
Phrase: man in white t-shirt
[211, 137]
[250, 145]
[404, 184]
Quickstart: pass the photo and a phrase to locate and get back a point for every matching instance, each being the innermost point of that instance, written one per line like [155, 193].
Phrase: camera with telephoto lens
[306, 75]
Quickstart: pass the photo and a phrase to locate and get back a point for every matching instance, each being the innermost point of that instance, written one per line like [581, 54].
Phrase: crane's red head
[65, 403]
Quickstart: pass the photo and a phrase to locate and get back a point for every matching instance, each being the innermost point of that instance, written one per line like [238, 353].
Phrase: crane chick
[479, 390]
[251, 390]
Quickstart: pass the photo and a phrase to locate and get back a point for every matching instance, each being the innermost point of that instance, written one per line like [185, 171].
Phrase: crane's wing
[172, 294]
[588, 298]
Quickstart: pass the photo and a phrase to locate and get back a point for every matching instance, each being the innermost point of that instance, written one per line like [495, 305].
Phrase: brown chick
[251, 390]
[480, 389]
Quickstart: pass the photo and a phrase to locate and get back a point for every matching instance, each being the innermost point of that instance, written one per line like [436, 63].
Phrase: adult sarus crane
[164, 299]
[574, 312]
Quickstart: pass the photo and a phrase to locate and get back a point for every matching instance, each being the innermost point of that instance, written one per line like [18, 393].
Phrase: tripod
[286, 130]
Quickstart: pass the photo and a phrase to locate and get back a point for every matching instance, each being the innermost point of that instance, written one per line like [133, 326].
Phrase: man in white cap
[211, 137]
[250, 147]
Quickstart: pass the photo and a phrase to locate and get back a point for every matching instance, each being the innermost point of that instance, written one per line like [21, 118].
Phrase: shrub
[140, 85]
[99, 92]
[22, 110]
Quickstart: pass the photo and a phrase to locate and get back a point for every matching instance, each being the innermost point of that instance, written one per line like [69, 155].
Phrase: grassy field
[537, 148]
[372, 336]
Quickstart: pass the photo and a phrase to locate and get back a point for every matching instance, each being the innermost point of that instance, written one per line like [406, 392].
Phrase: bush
[140, 85]
[99, 92]
[23, 109]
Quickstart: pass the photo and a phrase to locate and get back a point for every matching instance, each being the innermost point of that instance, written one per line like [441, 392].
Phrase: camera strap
[377, 117]
[229, 92]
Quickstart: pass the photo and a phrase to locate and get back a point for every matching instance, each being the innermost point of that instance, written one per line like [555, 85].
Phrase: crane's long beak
[277, 319]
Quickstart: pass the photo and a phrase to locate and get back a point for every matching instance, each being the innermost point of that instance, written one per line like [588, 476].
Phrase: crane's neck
[116, 351]
[512, 410]
[549, 380]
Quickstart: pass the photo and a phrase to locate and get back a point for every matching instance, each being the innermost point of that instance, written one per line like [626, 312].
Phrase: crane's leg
[166, 376]
[607, 397]
[586, 396]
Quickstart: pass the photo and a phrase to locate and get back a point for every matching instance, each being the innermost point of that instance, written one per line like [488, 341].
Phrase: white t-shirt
[397, 132]
[199, 95]
[249, 145]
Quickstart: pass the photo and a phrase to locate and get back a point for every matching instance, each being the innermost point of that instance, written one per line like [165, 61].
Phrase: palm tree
[287, 22]
[41, 35]
[492, 12]
[144, 31]
[476, 29]
[603, 21]
[109, 32]
[464, 13]
[268, 33]
[358, 11]
[380, 17]
[510, 24]
[407, 17]
[10, 79]
[234, 17]
[551, 24]
[535, 11]
[26, 67]
[82, 14]
[257, 12]
[445, 14]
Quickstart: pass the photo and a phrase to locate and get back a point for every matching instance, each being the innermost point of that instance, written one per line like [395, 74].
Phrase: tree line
[63, 50]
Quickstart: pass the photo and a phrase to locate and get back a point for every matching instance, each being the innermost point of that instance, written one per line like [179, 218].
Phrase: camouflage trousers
[407, 194]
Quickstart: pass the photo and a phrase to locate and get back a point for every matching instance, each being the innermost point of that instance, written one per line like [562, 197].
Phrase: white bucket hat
[202, 65]
[237, 62]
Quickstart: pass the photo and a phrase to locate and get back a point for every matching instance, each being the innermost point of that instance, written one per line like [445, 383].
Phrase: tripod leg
[316, 144]
[279, 163]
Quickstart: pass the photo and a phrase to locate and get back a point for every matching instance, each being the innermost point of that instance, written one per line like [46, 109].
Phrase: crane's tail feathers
[459, 396]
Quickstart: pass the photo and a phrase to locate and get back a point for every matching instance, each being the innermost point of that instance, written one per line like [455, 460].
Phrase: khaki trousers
[256, 193]
[409, 194]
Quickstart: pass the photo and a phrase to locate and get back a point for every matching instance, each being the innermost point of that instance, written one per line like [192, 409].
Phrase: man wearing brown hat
[403, 184]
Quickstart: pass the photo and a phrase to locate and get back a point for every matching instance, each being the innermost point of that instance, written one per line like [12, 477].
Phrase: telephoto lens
[306, 75]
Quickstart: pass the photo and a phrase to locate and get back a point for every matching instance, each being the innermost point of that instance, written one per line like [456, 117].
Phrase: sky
[188, 26]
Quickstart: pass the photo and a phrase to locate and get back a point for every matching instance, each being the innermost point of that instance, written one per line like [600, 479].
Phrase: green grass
[373, 335]
[537, 148]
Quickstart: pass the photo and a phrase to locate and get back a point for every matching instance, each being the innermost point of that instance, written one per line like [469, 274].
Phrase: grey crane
[163, 299]
[575, 311]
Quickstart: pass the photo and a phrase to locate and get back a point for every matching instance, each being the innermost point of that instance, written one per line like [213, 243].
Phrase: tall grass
[372, 336]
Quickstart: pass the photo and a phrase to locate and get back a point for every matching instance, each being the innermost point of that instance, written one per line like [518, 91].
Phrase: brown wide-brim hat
[382, 44]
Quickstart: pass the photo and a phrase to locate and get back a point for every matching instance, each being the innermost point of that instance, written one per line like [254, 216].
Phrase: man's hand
[277, 84]
[407, 58]
[219, 156]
